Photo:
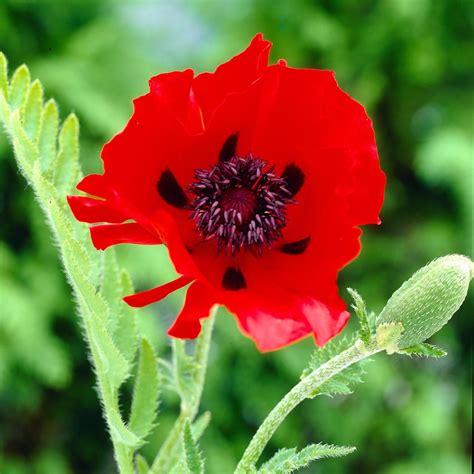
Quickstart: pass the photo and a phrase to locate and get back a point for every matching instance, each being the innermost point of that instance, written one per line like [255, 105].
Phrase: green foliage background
[408, 63]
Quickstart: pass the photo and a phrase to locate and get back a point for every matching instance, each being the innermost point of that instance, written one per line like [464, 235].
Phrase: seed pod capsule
[428, 300]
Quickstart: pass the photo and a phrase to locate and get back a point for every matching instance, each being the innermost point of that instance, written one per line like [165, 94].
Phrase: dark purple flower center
[241, 200]
[239, 204]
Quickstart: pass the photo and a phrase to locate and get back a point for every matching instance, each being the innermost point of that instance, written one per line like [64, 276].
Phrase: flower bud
[428, 300]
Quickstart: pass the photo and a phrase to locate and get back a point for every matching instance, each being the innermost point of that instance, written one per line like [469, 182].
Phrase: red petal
[93, 210]
[144, 298]
[326, 321]
[233, 76]
[104, 236]
[197, 305]
[174, 90]
[274, 316]
[271, 333]
[93, 184]
[271, 316]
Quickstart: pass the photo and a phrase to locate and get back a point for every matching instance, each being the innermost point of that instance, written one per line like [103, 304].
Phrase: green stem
[166, 456]
[109, 398]
[47, 195]
[304, 389]
[123, 454]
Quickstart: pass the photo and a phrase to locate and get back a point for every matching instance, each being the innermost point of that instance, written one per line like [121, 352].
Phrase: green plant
[47, 154]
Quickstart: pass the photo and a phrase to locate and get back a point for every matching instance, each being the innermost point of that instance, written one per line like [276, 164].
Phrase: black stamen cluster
[239, 204]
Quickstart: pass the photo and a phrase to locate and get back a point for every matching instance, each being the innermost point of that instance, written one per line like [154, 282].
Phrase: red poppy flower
[256, 177]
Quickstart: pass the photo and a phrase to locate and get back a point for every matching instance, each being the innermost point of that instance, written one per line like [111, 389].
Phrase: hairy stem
[109, 399]
[166, 456]
[304, 389]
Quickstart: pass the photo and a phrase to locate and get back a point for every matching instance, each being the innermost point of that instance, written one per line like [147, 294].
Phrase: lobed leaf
[360, 310]
[110, 362]
[119, 431]
[192, 455]
[114, 284]
[33, 110]
[54, 209]
[280, 458]
[184, 367]
[25, 151]
[288, 460]
[424, 350]
[125, 332]
[110, 285]
[5, 113]
[19, 86]
[323, 354]
[33, 130]
[141, 465]
[77, 266]
[145, 393]
[48, 136]
[340, 384]
[66, 166]
[3, 76]
[200, 425]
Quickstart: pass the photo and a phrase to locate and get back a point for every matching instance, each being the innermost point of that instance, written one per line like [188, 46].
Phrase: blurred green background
[410, 63]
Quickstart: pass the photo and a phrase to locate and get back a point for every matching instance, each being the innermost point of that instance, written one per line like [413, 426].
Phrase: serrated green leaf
[66, 166]
[280, 458]
[19, 86]
[192, 455]
[3, 75]
[119, 431]
[116, 283]
[424, 350]
[360, 310]
[145, 393]
[5, 113]
[61, 223]
[125, 331]
[33, 110]
[78, 266]
[184, 369]
[111, 284]
[341, 383]
[141, 464]
[48, 135]
[287, 461]
[372, 318]
[112, 364]
[25, 151]
[323, 354]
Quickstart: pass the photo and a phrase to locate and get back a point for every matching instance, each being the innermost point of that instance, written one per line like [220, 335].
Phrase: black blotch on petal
[297, 247]
[170, 190]
[233, 280]
[294, 178]
[228, 148]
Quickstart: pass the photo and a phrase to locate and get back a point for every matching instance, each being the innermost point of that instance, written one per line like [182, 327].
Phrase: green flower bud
[428, 300]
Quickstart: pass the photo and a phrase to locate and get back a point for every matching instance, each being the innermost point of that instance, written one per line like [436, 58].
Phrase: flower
[256, 177]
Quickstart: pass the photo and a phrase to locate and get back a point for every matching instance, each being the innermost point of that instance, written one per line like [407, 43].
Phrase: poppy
[256, 177]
